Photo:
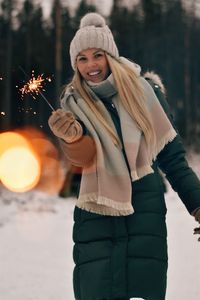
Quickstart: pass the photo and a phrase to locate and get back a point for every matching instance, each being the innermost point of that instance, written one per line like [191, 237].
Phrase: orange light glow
[10, 139]
[19, 165]
[19, 169]
[28, 160]
[52, 175]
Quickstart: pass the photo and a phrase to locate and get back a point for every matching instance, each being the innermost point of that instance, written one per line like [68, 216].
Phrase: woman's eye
[81, 58]
[98, 55]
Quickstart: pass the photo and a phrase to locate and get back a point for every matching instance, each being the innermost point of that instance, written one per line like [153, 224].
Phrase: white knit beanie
[93, 33]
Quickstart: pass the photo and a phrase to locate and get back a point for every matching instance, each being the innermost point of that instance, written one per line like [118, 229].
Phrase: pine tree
[6, 66]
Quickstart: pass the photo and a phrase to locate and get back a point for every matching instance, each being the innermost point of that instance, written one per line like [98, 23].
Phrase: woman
[113, 126]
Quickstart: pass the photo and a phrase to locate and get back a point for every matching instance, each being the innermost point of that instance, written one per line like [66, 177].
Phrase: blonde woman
[113, 126]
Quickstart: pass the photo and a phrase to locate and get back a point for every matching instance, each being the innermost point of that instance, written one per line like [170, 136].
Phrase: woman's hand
[64, 125]
[196, 215]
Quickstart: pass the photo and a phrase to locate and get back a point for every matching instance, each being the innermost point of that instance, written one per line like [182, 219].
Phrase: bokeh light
[11, 139]
[29, 160]
[19, 169]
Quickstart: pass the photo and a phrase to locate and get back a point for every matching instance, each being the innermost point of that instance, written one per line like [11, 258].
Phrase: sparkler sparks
[26, 110]
[35, 86]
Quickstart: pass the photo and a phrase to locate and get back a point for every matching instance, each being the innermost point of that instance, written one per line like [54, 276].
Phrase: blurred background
[159, 35]
[35, 179]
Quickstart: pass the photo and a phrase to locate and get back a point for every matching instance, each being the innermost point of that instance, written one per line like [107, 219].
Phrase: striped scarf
[106, 186]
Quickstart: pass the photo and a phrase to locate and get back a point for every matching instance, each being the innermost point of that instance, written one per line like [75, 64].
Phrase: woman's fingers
[59, 117]
[65, 126]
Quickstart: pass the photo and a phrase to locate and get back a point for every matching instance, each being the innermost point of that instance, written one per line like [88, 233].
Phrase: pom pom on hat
[93, 33]
[92, 19]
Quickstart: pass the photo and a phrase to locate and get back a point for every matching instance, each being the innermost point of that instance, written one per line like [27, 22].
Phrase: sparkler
[35, 86]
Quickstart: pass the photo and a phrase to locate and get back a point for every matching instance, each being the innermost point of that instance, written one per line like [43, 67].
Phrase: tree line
[159, 35]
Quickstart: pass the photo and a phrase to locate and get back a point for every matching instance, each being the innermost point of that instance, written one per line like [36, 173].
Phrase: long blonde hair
[131, 95]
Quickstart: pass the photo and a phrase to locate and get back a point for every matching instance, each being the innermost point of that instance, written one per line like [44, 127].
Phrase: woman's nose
[92, 63]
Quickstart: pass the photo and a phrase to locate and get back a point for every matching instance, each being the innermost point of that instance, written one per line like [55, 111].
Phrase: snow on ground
[36, 247]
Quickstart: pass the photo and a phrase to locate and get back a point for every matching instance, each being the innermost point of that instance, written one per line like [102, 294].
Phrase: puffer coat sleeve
[173, 163]
[183, 180]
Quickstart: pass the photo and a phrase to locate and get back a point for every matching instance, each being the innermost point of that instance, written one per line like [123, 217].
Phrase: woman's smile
[92, 65]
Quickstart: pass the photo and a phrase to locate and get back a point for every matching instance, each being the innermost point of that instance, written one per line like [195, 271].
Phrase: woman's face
[92, 65]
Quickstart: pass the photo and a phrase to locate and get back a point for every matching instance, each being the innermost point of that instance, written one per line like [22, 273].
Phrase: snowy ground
[36, 247]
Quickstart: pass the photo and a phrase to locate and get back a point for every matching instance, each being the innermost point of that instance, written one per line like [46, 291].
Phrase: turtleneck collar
[103, 89]
[106, 88]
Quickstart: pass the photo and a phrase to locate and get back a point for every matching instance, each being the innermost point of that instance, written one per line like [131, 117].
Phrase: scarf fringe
[146, 170]
[104, 206]
[100, 204]
[108, 207]
[169, 136]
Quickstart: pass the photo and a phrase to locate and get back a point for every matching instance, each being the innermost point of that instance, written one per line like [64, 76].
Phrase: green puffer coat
[126, 257]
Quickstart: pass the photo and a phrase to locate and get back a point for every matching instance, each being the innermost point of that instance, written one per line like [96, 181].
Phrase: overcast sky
[104, 6]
